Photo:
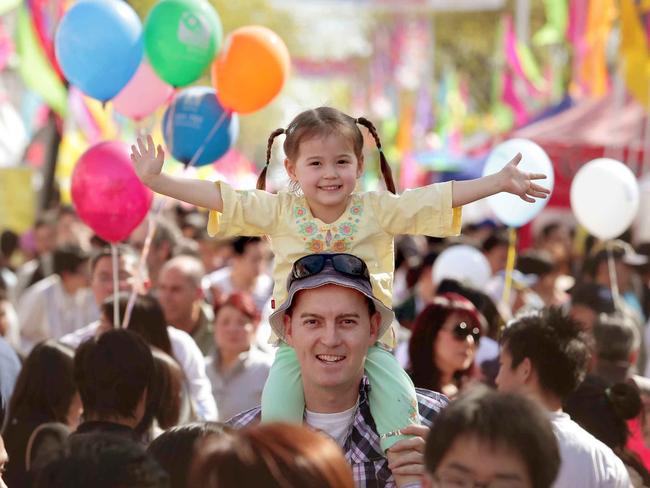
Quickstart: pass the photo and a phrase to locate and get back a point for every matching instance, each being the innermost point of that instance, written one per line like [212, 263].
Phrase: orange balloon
[251, 69]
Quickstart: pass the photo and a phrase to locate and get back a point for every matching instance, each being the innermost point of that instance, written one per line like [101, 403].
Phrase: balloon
[143, 94]
[251, 69]
[195, 121]
[605, 197]
[107, 193]
[509, 208]
[98, 45]
[462, 263]
[181, 38]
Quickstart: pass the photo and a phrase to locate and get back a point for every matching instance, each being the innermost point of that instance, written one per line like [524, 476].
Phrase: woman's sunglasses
[312, 264]
[462, 330]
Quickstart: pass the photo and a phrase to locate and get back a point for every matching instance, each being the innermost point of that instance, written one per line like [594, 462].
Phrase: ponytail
[261, 179]
[625, 400]
[385, 168]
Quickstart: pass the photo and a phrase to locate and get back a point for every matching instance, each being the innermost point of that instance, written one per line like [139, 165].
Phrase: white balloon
[509, 208]
[605, 197]
[462, 263]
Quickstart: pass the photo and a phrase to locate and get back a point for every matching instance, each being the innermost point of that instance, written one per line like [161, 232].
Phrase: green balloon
[181, 38]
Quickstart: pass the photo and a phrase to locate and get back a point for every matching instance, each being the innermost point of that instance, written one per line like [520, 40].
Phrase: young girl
[323, 213]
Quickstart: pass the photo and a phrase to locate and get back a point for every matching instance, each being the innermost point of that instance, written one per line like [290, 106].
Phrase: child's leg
[283, 398]
[392, 398]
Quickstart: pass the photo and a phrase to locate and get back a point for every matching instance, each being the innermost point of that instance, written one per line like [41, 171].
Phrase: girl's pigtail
[385, 168]
[261, 179]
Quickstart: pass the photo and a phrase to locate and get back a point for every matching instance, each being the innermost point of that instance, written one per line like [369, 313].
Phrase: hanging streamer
[510, 265]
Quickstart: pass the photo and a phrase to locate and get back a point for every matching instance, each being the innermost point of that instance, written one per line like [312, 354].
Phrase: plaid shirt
[362, 449]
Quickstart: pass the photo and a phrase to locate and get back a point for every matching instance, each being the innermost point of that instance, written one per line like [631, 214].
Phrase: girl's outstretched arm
[148, 165]
[510, 179]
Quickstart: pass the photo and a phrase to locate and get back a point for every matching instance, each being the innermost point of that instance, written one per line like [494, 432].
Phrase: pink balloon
[143, 94]
[107, 193]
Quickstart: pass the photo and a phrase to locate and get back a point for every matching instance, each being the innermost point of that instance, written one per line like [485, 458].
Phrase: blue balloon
[99, 46]
[196, 127]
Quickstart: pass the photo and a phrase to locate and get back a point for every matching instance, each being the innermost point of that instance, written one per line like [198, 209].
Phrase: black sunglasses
[462, 330]
[312, 264]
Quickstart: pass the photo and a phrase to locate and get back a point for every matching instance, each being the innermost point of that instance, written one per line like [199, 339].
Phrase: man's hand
[406, 458]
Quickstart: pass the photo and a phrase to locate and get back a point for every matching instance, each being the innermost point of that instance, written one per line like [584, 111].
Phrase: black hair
[498, 237]
[174, 449]
[240, 243]
[555, 346]
[480, 414]
[102, 460]
[539, 263]
[68, 259]
[9, 241]
[45, 386]
[105, 251]
[112, 373]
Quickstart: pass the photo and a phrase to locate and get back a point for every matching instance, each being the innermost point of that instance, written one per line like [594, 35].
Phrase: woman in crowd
[44, 408]
[444, 342]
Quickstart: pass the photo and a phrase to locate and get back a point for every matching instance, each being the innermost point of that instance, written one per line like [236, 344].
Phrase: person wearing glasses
[444, 343]
[331, 319]
[471, 446]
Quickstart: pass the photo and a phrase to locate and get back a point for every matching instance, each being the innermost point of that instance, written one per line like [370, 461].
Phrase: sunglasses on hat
[313, 264]
[462, 330]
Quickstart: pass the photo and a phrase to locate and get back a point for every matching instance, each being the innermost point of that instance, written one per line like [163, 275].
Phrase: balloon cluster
[105, 51]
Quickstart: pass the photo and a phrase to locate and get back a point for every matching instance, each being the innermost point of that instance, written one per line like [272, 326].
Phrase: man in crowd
[544, 355]
[112, 373]
[181, 297]
[471, 445]
[331, 319]
[60, 303]
[163, 244]
[41, 266]
[185, 350]
[247, 273]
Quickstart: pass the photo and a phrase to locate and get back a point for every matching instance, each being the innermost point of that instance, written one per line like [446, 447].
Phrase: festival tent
[611, 127]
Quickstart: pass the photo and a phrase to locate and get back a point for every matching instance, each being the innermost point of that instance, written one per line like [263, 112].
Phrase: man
[181, 297]
[163, 244]
[246, 273]
[588, 301]
[616, 348]
[112, 373]
[331, 319]
[60, 303]
[44, 245]
[471, 445]
[185, 350]
[544, 356]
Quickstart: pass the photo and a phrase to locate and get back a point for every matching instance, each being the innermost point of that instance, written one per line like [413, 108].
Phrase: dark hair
[147, 319]
[480, 414]
[102, 460]
[240, 243]
[164, 394]
[423, 369]
[603, 410]
[554, 344]
[9, 241]
[67, 259]
[112, 372]
[242, 302]
[273, 456]
[498, 237]
[175, 449]
[45, 386]
[105, 252]
[539, 263]
[325, 121]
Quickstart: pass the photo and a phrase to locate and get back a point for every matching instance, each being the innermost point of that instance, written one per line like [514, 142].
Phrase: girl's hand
[148, 164]
[518, 182]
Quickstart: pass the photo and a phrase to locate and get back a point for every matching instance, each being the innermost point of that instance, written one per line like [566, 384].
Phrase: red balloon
[107, 193]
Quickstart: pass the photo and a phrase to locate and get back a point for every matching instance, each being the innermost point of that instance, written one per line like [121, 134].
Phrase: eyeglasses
[312, 264]
[448, 480]
[462, 330]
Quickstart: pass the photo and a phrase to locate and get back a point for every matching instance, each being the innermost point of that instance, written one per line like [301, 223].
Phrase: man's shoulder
[430, 404]
[246, 418]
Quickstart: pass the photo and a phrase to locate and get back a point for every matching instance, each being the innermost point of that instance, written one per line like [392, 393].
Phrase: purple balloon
[107, 193]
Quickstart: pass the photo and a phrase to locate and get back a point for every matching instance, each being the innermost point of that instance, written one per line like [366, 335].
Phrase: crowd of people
[247, 361]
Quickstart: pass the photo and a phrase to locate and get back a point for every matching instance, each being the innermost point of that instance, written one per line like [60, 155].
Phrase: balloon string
[613, 279]
[510, 265]
[211, 134]
[116, 287]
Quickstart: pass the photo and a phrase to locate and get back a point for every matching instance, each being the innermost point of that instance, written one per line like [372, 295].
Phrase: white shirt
[221, 279]
[336, 425]
[586, 461]
[46, 311]
[187, 355]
